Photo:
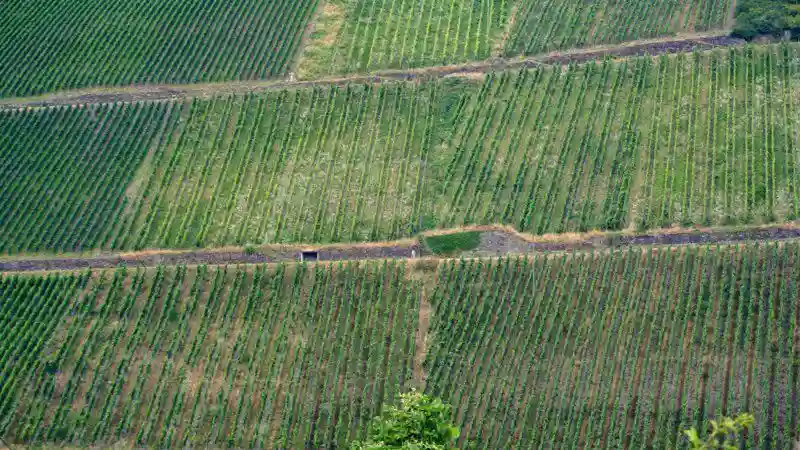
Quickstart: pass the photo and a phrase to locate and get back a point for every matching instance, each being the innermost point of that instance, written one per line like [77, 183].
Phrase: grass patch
[453, 244]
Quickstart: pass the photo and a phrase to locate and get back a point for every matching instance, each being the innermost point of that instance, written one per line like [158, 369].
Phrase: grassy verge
[452, 244]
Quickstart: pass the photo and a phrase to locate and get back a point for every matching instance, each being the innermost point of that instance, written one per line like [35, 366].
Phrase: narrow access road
[164, 92]
[501, 242]
[495, 241]
[388, 250]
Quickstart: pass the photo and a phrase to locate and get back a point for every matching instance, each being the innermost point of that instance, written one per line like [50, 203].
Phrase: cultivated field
[57, 45]
[251, 357]
[185, 128]
[579, 350]
[51, 45]
[705, 138]
[65, 172]
[544, 25]
[364, 35]
[618, 350]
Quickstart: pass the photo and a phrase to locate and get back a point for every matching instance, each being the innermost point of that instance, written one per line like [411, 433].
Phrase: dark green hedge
[766, 17]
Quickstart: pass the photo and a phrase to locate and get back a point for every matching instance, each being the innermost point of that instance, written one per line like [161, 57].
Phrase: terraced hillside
[365, 35]
[700, 139]
[52, 45]
[277, 357]
[618, 350]
[541, 26]
[574, 350]
[649, 161]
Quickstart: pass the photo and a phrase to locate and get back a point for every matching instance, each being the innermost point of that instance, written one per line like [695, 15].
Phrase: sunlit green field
[575, 350]
[366, 35]
[691, 139]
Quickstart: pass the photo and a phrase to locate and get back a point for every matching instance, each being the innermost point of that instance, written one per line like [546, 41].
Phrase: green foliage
[404, 34]
[419, 423]
[452, 244]
[53, 46]
[386, 162]
[765, 17]
[724, 433]
[540, 27]
[102, 332]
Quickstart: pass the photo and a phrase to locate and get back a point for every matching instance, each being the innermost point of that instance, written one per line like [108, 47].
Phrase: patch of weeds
[453, 244]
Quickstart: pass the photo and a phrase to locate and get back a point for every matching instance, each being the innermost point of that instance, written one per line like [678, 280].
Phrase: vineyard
[542, 26]
[693, 139]
[365, 35]
[54, 45]
[642, 159]
[618, 350]
[577, 350]
[247, 357]
[64, 174]
[50, 46]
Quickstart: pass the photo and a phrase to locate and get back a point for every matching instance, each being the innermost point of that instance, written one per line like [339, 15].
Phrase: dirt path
[731, 22]
[162, 92]
[495, 241]
[386, 250]
[421, 340]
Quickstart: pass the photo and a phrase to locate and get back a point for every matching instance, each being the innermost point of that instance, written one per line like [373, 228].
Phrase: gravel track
[212, 257]
[494, 242]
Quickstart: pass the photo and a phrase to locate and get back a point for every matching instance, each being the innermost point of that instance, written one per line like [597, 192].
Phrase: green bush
[418, 423]
[766, 17]
[724, 433]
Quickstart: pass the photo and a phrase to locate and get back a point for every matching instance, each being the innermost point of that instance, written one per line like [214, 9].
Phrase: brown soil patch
[322, 33]
[512, 21]
[421, 342]
[731, 16]
[474, 76]
[156, 367]
[277, 406]
[194, 378]
[60, 381]
[685, 16]
[333, 12]
[661, 371]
